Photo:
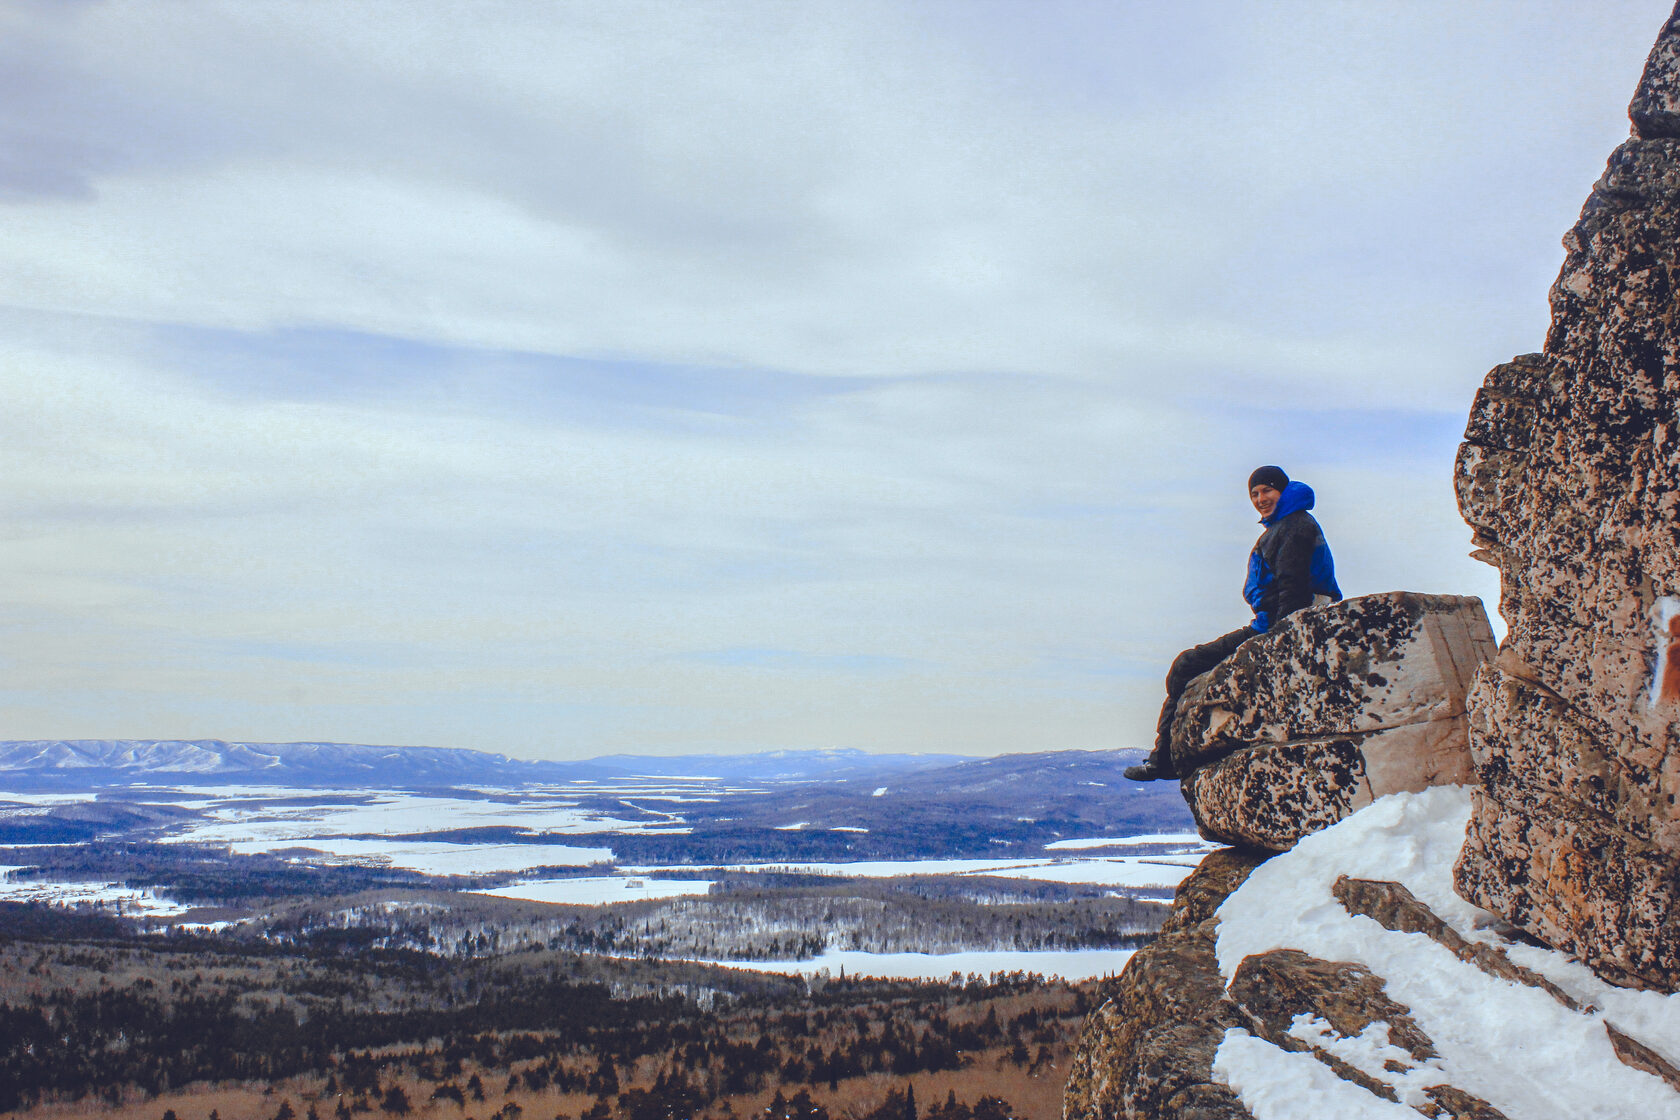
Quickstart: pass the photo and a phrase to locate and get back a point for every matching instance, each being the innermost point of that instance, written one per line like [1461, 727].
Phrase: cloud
[333, 565]
[852, 189]
[546, 379]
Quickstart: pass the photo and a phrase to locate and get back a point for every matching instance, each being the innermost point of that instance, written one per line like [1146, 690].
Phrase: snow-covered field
[377, 828]
[1157, 870]
[1070, 964]
[430, 858]
[113, 897]
[1514, 1046]
[255, 822]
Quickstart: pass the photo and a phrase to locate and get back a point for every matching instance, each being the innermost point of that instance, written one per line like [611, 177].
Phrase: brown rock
[1570, 476]
[1269, 797]
[1147, 1052]
[1271, 989]
[1394, 907]
[1455, 1104]
[1335, 707]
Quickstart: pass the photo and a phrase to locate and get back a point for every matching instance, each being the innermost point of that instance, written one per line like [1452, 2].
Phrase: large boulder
[1331, 709]
[1570, 476]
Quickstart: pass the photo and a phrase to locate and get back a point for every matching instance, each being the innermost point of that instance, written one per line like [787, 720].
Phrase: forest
[210, 1030]
[747, 917]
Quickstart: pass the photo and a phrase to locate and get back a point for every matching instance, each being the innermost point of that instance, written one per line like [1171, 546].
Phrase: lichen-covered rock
[1332, 709]
[1271, 796]
[1147, 1052]
[1570, 476]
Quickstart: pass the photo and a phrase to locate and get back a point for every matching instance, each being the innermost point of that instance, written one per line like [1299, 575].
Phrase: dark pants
[1186, 667]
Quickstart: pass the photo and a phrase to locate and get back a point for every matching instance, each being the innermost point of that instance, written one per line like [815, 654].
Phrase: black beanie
[1268, 476]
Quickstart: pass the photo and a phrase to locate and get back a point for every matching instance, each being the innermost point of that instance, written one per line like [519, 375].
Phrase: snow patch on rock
[1517, 1047]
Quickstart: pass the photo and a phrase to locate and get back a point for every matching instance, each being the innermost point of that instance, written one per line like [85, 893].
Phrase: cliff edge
[1474, 909]
[1570, 476]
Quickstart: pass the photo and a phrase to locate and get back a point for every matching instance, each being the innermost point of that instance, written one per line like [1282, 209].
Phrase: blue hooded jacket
[1291, 563]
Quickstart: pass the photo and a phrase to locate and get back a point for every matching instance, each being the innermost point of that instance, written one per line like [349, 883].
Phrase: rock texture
[1332, 709]
[1147, 1051]
[1570, 476]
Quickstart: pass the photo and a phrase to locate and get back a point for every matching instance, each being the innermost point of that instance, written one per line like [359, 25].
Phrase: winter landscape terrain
[270, 931]
[890, 865]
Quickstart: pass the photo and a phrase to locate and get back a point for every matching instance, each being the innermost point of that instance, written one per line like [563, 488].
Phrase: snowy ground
[1070, 964]
[1189, 839]
[430, 858]
[1162, 870]
[372, 828]
[398, 814]
[113, 897]
[1514, 1046]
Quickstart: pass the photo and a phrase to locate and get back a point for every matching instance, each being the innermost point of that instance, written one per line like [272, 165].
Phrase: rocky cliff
[1417, 946]
[1331, 710]
[1345, 978]
[1570, 476]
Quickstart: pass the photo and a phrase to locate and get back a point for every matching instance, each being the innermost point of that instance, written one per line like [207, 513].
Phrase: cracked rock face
[1147, 1052]
[1570, 476]
[1332, 709]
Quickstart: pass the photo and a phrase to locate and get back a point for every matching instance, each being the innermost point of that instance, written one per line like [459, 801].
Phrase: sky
[566, 379]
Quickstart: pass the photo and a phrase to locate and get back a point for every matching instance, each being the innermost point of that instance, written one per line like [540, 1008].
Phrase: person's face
[1265, 498]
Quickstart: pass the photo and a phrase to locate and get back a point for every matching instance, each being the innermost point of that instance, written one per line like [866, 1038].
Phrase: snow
[1115, 871]
[395, 814]
[19, 797]
[1069, 964]
[433, 858]
[1277, 1084]
[596, 890]
[1187, 839]
[109, 896]
[1663, 614]
[1096, 870]
[1125, 871]
[1512, 1045]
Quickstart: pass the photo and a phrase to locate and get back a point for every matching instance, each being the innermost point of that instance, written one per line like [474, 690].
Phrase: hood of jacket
[1296, 497]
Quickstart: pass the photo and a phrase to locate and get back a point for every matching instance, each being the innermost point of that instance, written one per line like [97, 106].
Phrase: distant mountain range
[90, 763]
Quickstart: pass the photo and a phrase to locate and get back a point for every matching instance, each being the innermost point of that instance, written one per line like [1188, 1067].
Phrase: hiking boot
[1150, 769]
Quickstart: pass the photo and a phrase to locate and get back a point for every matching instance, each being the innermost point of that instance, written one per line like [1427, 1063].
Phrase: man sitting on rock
[1289, 568]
